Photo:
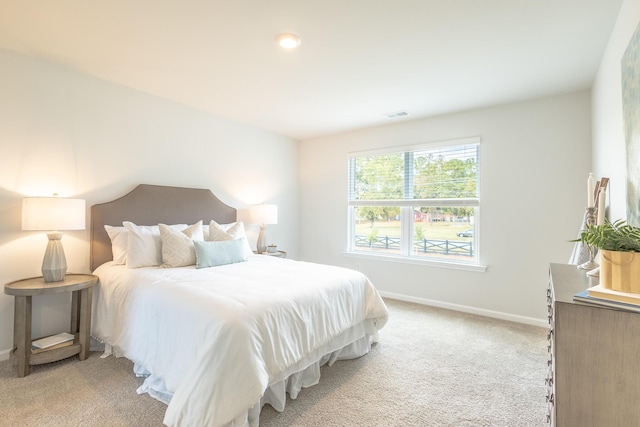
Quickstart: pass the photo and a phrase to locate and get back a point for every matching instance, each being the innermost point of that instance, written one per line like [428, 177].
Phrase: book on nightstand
[54, 340]
[36, 350]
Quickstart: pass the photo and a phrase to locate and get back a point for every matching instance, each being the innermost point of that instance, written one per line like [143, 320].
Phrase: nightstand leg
[22, 333]
[85, 321]
[75, 312]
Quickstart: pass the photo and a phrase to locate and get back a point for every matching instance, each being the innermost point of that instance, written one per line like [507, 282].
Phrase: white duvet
[218, 337]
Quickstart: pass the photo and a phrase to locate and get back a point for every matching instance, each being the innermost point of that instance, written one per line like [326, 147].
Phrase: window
[419, 203]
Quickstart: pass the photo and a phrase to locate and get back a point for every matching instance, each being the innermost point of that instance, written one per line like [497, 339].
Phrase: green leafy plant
[373, 235]
[617, 236]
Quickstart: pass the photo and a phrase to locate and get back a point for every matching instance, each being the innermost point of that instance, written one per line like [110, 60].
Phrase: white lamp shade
[53, 213]
[264, 214]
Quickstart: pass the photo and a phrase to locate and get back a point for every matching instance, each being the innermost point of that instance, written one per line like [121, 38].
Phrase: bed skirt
[351, 344]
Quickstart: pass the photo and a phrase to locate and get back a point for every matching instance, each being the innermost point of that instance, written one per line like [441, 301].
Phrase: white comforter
[218, 337]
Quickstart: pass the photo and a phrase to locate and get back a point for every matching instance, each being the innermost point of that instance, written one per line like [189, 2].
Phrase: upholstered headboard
[150, 205]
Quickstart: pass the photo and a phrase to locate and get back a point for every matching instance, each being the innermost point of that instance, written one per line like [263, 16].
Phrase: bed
[218, 339]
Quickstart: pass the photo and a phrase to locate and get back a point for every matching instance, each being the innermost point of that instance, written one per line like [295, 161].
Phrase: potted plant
[619, 246]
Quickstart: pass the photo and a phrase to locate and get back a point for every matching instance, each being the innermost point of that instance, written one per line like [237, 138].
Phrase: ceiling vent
[396, 114]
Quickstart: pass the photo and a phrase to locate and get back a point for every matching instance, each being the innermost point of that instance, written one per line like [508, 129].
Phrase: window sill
[416, 261]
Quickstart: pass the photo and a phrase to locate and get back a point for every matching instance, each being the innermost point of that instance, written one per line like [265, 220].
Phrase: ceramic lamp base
[54, 264]
[261, 245]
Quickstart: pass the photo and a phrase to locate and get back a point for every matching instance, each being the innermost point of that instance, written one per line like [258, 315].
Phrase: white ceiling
[358, 60]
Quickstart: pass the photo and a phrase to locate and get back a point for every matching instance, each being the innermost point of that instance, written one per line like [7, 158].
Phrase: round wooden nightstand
[81, 288]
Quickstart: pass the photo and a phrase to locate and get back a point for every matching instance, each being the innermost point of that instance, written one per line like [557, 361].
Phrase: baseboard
[467, 309]
[4, 354]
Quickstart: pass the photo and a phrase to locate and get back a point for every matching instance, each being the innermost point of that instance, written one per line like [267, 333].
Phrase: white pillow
[144, 245]
[119, 241]
[207, 227]
[233, 231]
[177, 246]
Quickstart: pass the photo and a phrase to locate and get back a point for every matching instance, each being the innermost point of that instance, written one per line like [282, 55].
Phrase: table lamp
[263, 215]
[53, 214]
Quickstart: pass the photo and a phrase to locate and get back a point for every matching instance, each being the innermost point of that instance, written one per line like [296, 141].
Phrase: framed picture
[630, 70]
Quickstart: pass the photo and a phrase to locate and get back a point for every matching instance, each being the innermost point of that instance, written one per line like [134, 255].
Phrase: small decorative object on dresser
[619, 246]
[584, 252]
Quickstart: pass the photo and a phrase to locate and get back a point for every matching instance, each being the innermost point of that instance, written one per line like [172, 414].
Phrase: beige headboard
[150, 205]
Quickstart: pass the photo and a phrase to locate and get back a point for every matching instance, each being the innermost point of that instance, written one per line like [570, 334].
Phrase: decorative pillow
[177, 246]
[233, 231]
[212, 254]
[144, 245]
[119, 241]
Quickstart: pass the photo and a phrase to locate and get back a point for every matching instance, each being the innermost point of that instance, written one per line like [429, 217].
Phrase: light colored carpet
[432, 367]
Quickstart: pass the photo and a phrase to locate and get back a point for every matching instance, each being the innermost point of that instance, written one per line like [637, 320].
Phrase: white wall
[535, 158]
[69, 133]
[609, 154]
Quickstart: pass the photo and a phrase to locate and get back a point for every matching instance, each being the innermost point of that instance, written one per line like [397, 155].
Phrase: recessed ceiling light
[288, 41]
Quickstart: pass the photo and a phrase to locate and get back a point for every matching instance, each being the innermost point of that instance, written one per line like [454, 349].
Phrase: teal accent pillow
[212, 254]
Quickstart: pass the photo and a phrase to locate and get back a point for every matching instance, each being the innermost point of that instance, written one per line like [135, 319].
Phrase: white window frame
[407, 210]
